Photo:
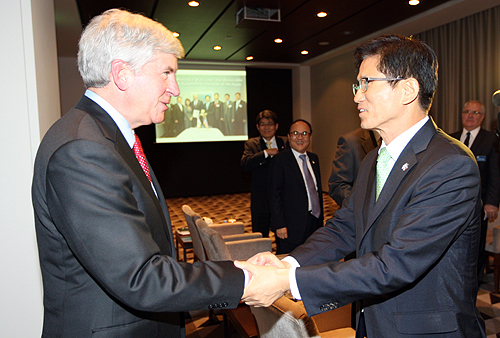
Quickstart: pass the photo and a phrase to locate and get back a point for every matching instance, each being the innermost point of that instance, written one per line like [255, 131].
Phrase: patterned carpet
[222, 207]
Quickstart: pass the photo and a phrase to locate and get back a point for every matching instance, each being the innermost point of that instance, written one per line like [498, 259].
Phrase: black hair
[404, 57]
[300, 120]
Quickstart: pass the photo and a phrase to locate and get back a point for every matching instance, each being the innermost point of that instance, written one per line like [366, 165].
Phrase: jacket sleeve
[252, 157]
[342, 176]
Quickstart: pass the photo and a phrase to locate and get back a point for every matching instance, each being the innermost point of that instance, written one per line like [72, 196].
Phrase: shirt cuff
[265, 154]
[245, 272]
[294, 288]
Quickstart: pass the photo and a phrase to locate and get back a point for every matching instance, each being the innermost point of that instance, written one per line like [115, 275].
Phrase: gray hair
[119, 34]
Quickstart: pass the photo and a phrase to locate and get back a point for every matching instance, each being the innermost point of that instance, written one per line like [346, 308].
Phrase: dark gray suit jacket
[105, 241]
[485, 148]
[416, 246]
[288, 194]
[351, 150]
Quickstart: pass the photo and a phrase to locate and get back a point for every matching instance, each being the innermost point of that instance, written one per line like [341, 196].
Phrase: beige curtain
[468, 52]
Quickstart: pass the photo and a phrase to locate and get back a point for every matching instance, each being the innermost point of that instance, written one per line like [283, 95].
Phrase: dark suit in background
[351, 149]
[288, 199]
[254, 160]
[485, 149]
[240, 115]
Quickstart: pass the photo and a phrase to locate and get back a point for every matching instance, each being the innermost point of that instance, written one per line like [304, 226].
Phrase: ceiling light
[250, 57]
[413, 2]
[217, 47]
[324, 43]
[322, 14]
[304, 52]
[175, 34]
[278, 40]
[193, 3]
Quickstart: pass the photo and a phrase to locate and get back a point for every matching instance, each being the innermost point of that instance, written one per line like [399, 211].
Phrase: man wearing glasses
[257, 156]
[295, 194]
[413, 217]
[484, 145]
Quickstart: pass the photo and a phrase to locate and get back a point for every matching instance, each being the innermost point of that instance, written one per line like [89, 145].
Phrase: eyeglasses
[473, 112]
[364, 81]
[296, 134]
[270, 124]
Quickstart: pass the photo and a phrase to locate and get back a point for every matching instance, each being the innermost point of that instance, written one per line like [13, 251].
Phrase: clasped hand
[268, 279]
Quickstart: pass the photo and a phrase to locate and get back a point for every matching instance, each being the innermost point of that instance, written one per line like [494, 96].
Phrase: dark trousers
[284, 246]
[261, 222]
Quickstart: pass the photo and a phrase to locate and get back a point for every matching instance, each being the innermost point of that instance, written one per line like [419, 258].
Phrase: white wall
[29, 103]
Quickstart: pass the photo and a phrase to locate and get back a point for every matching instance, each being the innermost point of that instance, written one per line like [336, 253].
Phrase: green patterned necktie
[383, 169]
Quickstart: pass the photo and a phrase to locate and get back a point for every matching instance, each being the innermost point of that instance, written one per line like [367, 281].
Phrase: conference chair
[228, 231]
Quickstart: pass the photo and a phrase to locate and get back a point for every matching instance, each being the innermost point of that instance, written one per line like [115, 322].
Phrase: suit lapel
[112, 132]
[403, 166]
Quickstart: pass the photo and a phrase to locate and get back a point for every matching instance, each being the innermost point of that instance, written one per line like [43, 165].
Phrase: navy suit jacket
[417, 246]
[288, 194]
[105, 240]
[485, 148]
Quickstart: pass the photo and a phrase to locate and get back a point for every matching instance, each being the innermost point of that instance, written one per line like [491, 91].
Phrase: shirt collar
[473, 132]
[120, 121]
[396, 147]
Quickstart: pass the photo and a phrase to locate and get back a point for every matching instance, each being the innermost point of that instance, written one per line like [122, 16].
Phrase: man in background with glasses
[484, 145]
[413, 217]
[295, 194]
[257, 157]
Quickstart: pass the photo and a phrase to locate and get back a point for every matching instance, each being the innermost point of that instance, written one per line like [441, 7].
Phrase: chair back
[191, 217]
[285, 318]
[214, 245]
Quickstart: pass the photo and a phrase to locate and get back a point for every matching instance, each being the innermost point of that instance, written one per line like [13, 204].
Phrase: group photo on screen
[211, 107]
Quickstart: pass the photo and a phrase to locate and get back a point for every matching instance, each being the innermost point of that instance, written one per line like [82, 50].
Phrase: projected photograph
[211, 107]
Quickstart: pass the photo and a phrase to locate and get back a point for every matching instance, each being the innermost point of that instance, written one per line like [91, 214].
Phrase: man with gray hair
[104, 235]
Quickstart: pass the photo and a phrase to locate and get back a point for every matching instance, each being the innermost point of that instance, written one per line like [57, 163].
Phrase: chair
[493, 250]
[229, 231]
[286, 318]
[219, 249]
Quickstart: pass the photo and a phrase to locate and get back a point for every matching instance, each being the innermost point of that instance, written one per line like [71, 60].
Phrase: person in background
[484, 146]
[257, 157]
[228, 113]
[413, 216]
[295, 195]
[105, 241]
[240, 115]
[351, 150]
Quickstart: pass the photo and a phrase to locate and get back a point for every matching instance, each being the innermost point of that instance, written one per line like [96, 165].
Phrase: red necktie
[141, 157]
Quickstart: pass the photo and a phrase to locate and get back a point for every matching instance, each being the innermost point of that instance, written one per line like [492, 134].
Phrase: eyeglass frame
[356, 87]
[474, 112]
[296, 134]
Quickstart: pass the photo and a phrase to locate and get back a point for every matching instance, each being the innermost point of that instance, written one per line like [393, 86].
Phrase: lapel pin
[405, 166]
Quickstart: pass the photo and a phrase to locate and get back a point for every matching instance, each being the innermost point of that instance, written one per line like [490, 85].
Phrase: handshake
[268, 279]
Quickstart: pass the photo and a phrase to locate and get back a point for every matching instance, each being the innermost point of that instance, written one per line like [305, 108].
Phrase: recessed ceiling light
[324, 43]
[322, 14]
[347, 32]
[217, 47]
[413, 2]
[304, 52]
[278, 40]
[175, 34]
[193, 3]
[250, 57]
